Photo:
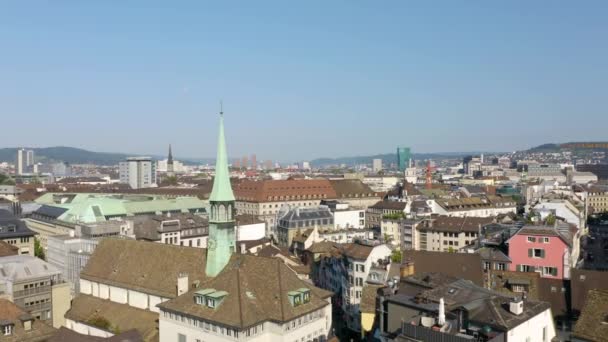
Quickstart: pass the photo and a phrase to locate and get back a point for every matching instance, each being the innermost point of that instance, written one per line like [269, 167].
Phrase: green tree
[6, 180]
[171, 180]
[396, 256]
[530, 217]
[393, 216]
[100, 322]
[550, 221]
[38, 250]
[451, 250]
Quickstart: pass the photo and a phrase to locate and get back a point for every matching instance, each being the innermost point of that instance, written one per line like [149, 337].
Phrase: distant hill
[68, 154]
[548, 148]
[389, 158]
[79, 156]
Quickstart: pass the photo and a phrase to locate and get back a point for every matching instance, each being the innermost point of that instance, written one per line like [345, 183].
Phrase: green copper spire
[222, 190]
[222, 239]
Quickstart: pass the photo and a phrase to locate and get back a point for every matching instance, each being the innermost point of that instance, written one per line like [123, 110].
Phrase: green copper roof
[94, 207]
[222, 190]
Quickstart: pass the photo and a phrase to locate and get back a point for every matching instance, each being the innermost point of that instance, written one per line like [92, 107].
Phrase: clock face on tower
[211, 244]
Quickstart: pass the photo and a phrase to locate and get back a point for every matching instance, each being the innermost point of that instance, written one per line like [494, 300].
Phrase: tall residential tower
[403, 158]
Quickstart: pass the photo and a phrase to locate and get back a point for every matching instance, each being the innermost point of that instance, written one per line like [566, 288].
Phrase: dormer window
[7, 330]
[299, 296]
[209, 297]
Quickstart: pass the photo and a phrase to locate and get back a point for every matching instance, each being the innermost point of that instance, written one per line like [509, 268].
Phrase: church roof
[143, 266]
[257, 290]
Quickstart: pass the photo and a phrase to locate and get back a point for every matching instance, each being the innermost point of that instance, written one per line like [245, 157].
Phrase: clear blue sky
[302, 79]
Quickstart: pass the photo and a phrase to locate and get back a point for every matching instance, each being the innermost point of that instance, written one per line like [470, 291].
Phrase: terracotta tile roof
[249, 244]
[148, 267]
[6, 249]
[544, 231]
[474, 203]
[356, 250]
[245, 219]
[302, 236]
[284, 190]
[323, 247]
[592, 323]
[582, 281]
[9, 312]
[352, 188]
[257, 291]
[493, 254]
[121, 316]
[502, 281]
[461, 265]
[368, 298]
[389, 205]
[66, 335]
[456, 224]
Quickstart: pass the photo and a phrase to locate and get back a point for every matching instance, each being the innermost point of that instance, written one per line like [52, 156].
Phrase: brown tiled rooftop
[352, 188]
[461, 265]
[389, 205]
[592, 324]
[121, 316]
[148, 267]
[356, 251]
[257, 291]
[457, 224]
[7, 249]
[284, 190]
[14, 314]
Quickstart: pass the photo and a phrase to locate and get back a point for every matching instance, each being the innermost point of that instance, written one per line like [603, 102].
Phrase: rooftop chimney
[407, 269]
[182, 283]
[441, 318]
[516, 306]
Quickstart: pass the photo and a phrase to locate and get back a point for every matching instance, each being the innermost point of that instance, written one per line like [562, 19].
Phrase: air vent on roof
[27, 271]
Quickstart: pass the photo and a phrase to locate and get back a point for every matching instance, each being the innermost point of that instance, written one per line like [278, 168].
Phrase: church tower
[170, 170]
[222, 241]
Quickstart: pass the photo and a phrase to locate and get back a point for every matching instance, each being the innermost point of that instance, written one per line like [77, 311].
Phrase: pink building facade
[542, 250]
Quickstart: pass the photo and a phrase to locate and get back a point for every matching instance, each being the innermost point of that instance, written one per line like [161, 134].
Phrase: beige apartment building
[445, 234]
[598, 199]
[36, 286]
[265, 199]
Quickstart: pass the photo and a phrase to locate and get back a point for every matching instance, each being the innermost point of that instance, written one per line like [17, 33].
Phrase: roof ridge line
[280, 290]
[238, 290]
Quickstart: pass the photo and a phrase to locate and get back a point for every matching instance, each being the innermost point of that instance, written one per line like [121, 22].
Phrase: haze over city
[313, 171]
[303, 80]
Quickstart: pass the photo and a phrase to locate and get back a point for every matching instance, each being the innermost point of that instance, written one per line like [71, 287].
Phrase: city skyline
[428, 77]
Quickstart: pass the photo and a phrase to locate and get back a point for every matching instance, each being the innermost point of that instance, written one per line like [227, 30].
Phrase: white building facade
[138, 172]
[314, 325]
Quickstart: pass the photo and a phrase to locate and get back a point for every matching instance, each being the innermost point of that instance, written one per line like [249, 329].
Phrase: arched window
[222, 213]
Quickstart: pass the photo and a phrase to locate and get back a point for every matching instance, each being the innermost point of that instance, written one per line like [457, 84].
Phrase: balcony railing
[32, 291]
